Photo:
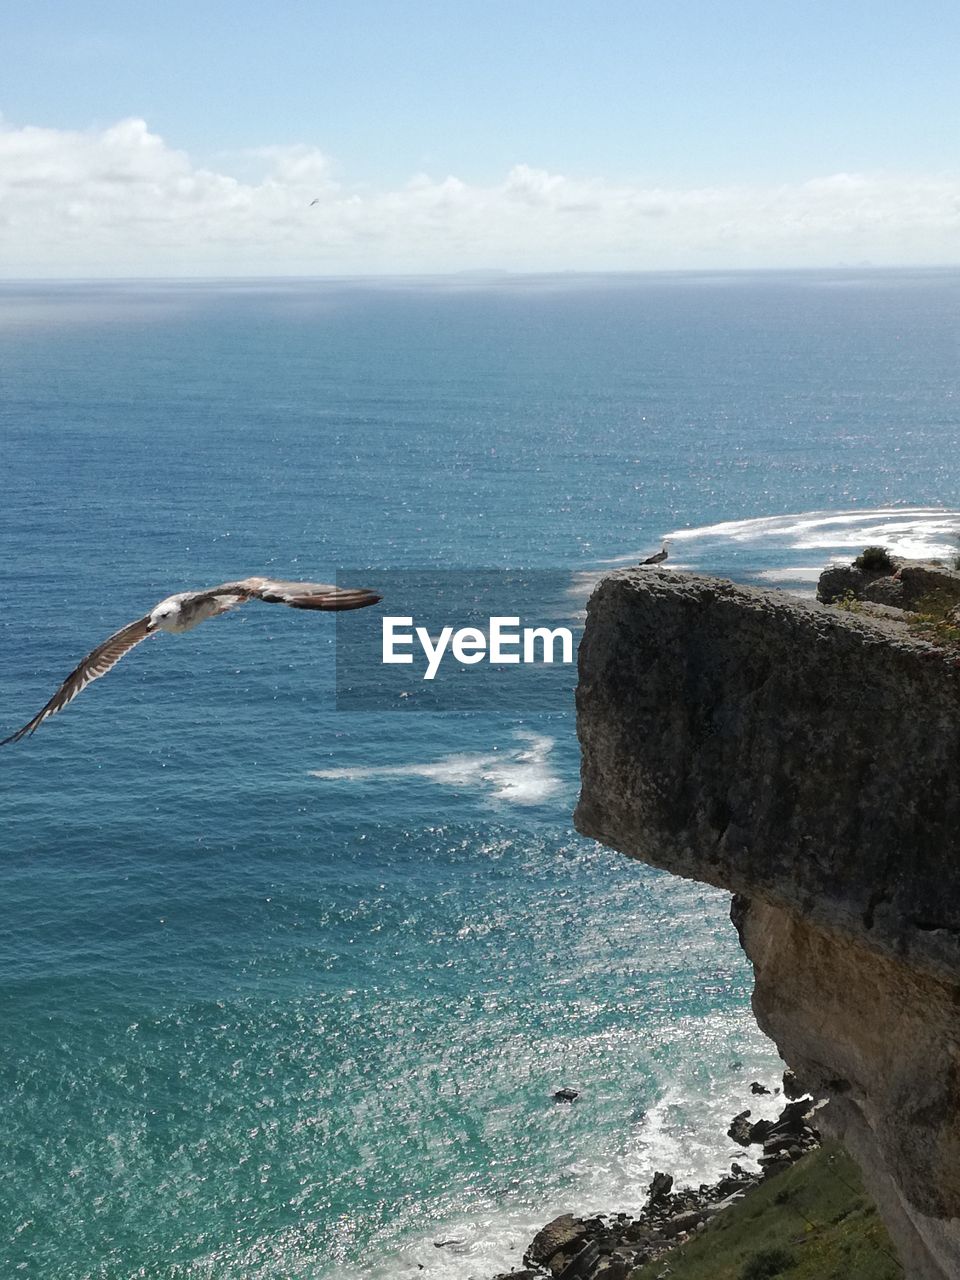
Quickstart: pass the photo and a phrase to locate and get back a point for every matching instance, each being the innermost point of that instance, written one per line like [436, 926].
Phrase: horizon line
[486, 274]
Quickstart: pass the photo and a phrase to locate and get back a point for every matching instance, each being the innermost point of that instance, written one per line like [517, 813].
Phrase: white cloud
[296, 166]
[121, 201]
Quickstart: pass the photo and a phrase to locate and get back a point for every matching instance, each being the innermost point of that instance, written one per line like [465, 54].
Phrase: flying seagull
[659, 557]
[183, 612]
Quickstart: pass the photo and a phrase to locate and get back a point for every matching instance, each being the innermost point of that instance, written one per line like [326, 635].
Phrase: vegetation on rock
[849, 602]
[875, 560]
[767, 1264]
[814, 1221]
[937, 629]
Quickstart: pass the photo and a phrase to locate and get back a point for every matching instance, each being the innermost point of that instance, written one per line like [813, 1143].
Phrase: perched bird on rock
[182, 612]
[660, 556]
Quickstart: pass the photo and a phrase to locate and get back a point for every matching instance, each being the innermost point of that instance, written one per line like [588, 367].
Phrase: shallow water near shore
[287, 992]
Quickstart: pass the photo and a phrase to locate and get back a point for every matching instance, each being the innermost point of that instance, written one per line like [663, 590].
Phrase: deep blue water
[285, 991]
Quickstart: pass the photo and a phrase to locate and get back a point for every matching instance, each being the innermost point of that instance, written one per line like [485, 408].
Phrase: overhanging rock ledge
[807, 758]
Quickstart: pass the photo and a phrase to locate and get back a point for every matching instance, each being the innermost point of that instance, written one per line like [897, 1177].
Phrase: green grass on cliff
[816, 1218]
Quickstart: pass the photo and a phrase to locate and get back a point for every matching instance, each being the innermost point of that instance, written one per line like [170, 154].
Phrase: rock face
[807, 758]
[847, 580]
[916, 585]
[928, 587]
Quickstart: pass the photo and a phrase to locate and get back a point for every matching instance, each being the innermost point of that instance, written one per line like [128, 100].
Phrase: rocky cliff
[807, 758]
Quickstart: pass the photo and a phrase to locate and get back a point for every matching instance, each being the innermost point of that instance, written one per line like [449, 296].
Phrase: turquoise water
[286, 991]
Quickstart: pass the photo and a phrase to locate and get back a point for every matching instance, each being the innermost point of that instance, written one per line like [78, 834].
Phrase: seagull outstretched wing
[298, 595]
[186, 610]
[96, 664]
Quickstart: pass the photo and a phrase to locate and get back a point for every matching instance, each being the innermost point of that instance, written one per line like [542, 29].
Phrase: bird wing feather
[96, 664]
[297, 595]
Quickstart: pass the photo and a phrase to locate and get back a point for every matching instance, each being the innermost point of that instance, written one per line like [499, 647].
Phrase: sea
[286, 989]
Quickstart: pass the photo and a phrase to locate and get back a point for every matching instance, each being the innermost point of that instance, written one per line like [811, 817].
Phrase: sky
[419, 136]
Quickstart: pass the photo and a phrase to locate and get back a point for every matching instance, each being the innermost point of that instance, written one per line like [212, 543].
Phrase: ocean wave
[777, 548]
[907, 531]
[802, 573]
[522, 775]
[800, 523]
[684, 1132]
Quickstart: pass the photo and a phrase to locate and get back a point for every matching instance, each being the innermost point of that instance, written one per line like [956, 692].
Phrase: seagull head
[164, 616]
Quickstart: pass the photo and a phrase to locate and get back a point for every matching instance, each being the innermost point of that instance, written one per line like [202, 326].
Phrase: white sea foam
[583, 581]
[521, 775]
[917, 532]
[908, 531]
[803, 573]
[798, 523]
[684, 1133]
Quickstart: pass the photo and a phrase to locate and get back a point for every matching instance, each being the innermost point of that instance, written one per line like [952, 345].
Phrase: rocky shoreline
[611, 1246]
